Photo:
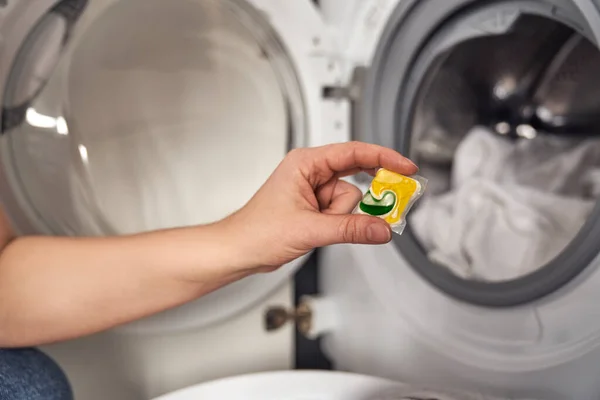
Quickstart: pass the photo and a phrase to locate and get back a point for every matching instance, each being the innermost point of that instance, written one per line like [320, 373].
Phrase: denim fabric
[29, 374]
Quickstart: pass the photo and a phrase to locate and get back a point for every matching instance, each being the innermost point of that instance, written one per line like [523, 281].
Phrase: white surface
[314, 385]
[293, 385]
[512, 207]
[128, 367]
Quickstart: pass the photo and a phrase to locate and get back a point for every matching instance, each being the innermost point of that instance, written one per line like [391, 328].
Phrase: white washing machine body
[49, 57]
[380, 313]
[382, 319]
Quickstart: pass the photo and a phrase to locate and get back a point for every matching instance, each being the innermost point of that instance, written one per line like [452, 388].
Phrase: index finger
[346, 158]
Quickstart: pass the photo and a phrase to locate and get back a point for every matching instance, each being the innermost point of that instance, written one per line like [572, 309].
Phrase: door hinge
[352, 91]
[277, 317]
[353, 94]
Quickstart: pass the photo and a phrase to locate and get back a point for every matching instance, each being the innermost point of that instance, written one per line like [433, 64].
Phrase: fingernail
[378, 233]
[413, 164]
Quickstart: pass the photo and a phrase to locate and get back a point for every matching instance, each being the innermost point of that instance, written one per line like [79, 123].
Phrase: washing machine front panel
[357, 27]
[109, 127]
[420, 341]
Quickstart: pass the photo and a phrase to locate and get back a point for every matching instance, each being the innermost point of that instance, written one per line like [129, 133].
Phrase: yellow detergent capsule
[391, 196]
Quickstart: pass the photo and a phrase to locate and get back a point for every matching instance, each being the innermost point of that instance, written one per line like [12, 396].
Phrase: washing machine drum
[497, 102]
[110, 127]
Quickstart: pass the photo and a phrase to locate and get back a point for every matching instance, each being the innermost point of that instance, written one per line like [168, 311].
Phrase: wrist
[227, 246]
[221, 250]
[246, 245]
[207, 253]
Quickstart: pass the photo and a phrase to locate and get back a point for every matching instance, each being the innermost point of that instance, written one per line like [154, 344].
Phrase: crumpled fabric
[513, 206]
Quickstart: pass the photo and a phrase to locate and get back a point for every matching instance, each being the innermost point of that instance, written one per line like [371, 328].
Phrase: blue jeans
[28, 374]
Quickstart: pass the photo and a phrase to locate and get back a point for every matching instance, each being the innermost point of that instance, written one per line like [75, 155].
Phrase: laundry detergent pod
[391, 197]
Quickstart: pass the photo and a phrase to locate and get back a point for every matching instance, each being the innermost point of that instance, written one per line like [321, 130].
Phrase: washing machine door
[519, 71]
[117, 115]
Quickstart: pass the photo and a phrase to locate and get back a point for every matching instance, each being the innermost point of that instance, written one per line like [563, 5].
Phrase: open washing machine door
[109, 127]
[525, 73]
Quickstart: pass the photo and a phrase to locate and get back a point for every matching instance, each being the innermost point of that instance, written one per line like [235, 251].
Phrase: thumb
[358, 229]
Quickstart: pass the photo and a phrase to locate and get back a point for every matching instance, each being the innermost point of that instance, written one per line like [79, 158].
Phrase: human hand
[304, 205]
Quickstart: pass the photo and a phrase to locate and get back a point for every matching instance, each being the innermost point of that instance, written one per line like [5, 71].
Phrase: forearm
[54, 289]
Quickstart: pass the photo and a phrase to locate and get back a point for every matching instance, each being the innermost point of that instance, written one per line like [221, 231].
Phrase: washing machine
[100, 124]
[116, 117]
[431, 70]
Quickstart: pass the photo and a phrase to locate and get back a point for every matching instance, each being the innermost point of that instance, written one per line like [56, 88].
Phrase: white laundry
[513, 207]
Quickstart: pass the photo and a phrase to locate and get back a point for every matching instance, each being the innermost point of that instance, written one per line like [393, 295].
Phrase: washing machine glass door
[124, 116]
[498, 104]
